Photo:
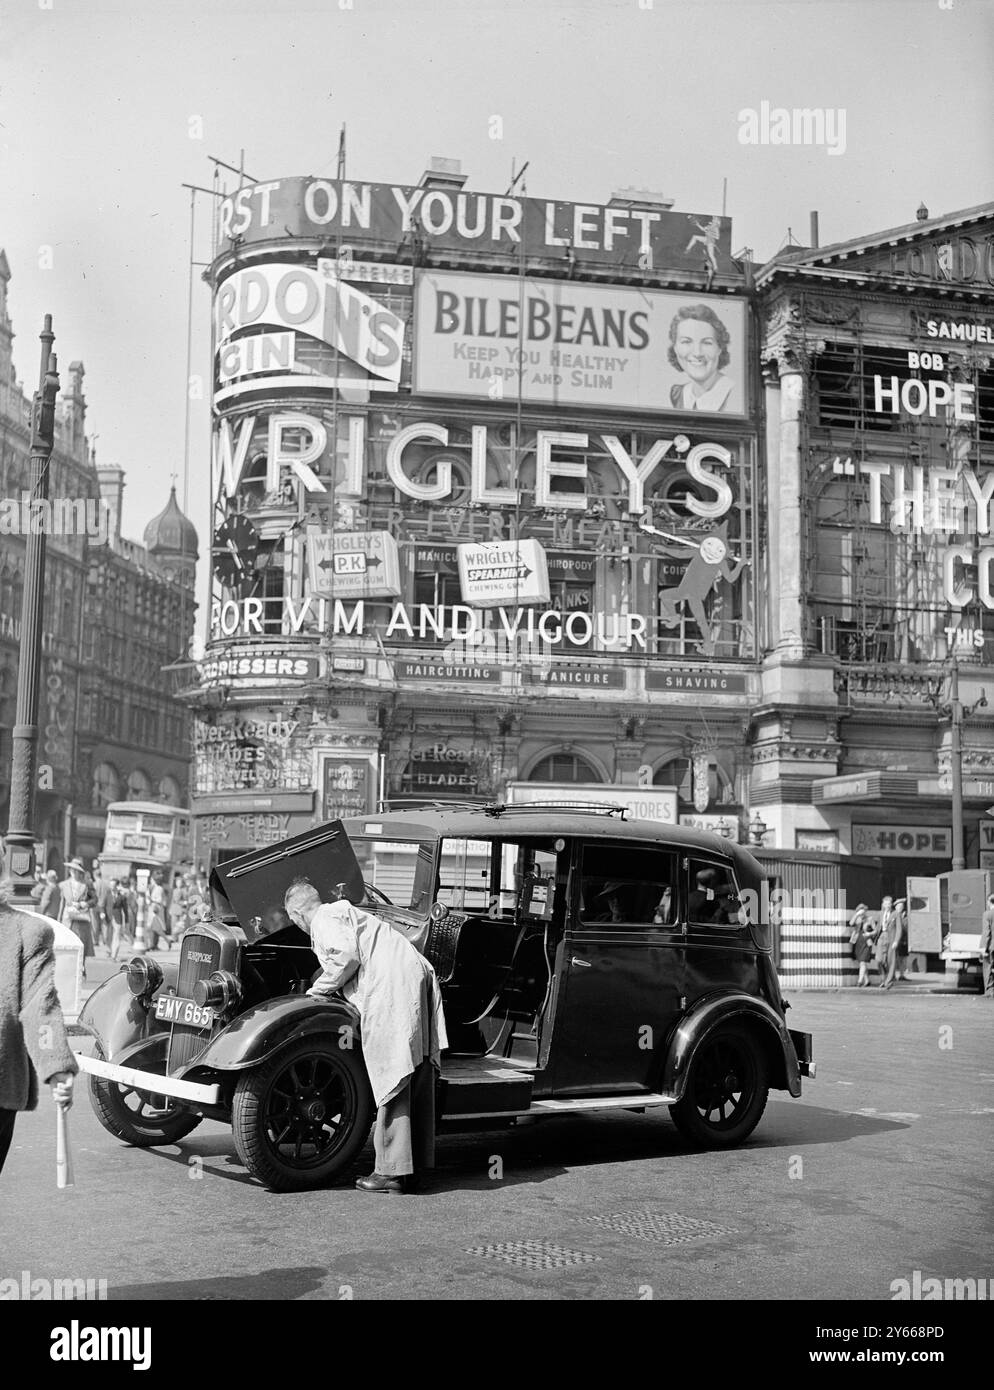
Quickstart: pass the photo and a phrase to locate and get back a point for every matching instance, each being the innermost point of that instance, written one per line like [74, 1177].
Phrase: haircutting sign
[560, 342]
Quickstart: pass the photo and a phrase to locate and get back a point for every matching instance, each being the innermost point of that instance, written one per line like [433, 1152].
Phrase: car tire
[283, 1108]
[727, 1089]
[110, 1104]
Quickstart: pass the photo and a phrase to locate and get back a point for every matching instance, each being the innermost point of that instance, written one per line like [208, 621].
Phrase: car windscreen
[399, 873]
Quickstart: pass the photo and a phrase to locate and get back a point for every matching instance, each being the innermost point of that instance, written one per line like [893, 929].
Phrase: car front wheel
[138, 1118]
[303, 1116]
[727, 1090]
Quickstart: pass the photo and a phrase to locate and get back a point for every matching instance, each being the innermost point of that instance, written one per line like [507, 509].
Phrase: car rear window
[713, 895]
[630, 885]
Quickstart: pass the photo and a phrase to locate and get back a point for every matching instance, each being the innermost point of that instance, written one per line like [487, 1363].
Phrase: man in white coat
[396, 992]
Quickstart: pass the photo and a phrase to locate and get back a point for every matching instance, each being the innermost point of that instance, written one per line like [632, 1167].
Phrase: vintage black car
[588, 962]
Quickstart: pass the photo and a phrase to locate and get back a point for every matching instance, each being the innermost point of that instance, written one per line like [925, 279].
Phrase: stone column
[786, 517]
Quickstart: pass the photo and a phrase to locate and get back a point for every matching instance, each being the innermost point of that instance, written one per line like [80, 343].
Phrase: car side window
[627, 885]
[713, 895]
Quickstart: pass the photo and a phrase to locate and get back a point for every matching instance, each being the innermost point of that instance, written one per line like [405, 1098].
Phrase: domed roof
[171, 531]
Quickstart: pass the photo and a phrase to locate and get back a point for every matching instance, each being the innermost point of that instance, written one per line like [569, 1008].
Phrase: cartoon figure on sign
[711, 564]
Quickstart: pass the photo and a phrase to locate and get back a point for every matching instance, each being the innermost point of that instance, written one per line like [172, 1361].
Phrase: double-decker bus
[143, 836]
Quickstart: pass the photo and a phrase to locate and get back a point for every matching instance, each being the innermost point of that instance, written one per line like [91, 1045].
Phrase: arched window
[106, 784]
[564, 767]
[169, 791]
[139, 785]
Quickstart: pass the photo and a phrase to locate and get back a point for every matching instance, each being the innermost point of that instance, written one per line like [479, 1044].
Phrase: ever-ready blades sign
[353, 564]
[492, 573]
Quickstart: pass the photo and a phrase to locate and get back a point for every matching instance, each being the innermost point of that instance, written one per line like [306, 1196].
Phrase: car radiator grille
[186, 1042]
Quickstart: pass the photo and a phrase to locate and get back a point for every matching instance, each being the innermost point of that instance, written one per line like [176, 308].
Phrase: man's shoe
[379, 1182]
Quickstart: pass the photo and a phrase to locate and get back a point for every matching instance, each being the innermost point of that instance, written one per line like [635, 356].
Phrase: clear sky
[99, 108]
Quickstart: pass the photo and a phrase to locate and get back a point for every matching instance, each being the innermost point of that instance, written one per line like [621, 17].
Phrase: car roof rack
[585, 808]
[422, 803]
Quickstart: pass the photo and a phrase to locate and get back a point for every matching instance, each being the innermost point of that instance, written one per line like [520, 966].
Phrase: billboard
[492, 573]
[353, 564]
[263, 314]
[440, 219]
[563, 343]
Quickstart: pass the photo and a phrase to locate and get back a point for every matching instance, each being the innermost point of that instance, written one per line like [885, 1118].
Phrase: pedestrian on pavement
[101, 907]
[987, 948]
[156, 926]
[119, 919]
[50, 902]
[886, 939]
[399, 1001]
[899, 959]
[861, 936]
[33, 1043]
[39, 887]
[76, 907]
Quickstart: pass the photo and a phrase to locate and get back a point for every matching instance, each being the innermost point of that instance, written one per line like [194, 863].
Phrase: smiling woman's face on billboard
[697, 351]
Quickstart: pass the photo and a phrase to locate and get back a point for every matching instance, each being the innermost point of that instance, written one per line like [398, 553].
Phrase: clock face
[236, 543]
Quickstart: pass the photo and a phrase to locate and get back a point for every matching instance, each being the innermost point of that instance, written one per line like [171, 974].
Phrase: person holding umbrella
[34, 1048]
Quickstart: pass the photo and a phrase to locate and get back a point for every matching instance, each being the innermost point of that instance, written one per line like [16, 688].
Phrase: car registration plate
[173, 1009]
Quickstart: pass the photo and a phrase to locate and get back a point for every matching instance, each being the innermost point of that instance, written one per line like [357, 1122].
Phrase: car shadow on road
[486, 1160]
[270, 1283]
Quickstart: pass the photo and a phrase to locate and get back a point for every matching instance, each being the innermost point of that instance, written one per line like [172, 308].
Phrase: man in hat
[76, 907]
[399, 1001]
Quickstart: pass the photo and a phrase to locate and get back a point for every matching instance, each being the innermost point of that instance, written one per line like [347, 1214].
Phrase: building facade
[134, 738]
[523, 499]
[115, 613]
[486, 513]
[879, 411]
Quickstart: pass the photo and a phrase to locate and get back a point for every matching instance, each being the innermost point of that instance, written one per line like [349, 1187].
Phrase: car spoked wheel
[727, 1090]
[303, 1116]
[138, 1118]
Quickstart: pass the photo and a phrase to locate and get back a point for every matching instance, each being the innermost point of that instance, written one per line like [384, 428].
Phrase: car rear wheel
[727, 1090]
[303, 1116]
[135, 1116]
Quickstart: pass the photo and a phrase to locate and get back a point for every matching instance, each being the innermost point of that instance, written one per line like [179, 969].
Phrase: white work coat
[391, 984]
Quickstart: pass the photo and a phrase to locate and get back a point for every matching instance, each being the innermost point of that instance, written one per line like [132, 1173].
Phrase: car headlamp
[219, 991]
[144, 976]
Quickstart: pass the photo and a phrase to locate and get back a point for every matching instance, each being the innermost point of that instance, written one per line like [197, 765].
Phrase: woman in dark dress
[862, 936]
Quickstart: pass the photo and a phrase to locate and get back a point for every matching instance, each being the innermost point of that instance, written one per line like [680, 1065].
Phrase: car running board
[571, 1105]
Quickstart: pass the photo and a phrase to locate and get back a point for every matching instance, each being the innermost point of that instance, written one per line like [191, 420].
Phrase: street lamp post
[956, 756]
[20, 840]
[954, 712]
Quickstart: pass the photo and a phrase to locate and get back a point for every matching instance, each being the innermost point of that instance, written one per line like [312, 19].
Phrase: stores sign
[497, 572]
[570, 343]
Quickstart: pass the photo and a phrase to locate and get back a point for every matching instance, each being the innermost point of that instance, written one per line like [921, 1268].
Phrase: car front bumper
[153, 1082]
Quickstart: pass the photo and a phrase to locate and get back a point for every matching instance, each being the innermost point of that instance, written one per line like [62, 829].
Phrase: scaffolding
[885, 496]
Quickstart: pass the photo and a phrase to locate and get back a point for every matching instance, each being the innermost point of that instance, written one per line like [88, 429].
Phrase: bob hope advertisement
[558, 342]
